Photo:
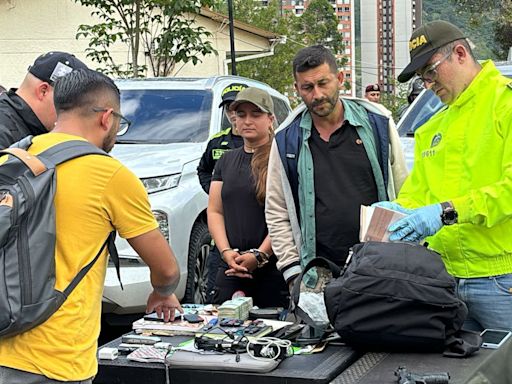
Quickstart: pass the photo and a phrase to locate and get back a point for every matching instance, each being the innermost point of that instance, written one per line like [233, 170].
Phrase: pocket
[503, 283]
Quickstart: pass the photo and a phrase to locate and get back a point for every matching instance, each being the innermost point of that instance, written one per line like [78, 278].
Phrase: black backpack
[27, 235]
[396, 297]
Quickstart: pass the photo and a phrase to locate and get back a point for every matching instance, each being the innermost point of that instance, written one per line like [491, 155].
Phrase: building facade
[376, 35]
[29, 28]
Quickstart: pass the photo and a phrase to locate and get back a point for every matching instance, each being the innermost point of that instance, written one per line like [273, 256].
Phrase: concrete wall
[31, 27]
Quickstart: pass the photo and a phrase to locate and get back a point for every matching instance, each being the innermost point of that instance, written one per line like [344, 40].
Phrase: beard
[328, 103]
[109, 140]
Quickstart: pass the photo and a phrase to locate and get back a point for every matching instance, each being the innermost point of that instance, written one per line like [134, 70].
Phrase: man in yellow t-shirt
[95, 194]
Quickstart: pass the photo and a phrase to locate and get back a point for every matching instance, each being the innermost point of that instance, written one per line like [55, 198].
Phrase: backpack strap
[35, 165]
[69, 150]
[109, 243]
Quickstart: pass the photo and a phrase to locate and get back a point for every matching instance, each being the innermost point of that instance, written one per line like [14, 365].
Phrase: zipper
[23, 246]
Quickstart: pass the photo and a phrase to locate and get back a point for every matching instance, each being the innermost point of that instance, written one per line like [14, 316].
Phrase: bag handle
[315, 262]
[295, 293]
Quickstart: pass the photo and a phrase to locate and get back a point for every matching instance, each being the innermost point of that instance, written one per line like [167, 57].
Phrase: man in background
[29, 110]
[372, 93]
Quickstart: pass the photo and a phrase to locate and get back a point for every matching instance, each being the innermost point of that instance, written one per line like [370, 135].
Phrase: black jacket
[17, 119]
[218, 144]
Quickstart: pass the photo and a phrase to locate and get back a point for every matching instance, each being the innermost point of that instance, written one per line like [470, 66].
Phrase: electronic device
[230, 322]
[289, 332]
[193, 318]
[140, 339]
[494, 338]
[107, 353]
[154, 317]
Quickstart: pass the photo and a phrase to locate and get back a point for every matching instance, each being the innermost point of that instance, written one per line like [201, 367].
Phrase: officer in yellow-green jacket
[459, 193]
[219, 143]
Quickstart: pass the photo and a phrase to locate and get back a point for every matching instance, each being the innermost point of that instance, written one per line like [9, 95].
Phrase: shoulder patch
[221, 133]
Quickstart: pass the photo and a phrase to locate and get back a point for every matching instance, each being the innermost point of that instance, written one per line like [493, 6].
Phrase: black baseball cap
[52, 65]
[425, 41]
[229, 93]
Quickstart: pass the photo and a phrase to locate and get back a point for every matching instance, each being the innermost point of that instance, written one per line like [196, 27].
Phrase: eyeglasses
[124, 123]
[430, 74]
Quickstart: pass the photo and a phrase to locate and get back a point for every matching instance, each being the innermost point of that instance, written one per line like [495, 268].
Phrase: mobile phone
[193, 318]
[154, 317]
[494, 338]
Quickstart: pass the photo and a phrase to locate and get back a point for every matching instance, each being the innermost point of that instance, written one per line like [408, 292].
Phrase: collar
[477, 84]
[23, 110]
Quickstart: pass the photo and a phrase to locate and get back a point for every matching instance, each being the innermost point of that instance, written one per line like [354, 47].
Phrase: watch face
[449, 217]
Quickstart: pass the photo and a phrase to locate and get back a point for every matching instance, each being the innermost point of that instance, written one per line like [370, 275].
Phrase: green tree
[488, 23]
[163, 29]
[275, 70]
[319, 25]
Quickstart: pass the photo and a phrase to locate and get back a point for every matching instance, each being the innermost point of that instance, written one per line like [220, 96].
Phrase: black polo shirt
[344, 180]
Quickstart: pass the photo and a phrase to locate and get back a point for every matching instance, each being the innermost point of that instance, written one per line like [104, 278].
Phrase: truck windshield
[166, 116]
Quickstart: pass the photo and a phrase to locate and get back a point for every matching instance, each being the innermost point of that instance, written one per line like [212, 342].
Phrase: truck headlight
[163, 223]
[161, 183]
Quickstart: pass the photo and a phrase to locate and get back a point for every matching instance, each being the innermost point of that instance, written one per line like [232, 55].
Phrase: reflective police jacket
[463, 154]
[219, 143]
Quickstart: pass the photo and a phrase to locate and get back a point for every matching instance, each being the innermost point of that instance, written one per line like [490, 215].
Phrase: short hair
[312, 57]
[446, 49]
[83, 89]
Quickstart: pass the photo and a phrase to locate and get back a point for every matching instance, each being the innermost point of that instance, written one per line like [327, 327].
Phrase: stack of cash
[236, 308]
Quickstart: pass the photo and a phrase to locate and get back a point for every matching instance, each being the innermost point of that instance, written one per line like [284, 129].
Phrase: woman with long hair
[236, 217]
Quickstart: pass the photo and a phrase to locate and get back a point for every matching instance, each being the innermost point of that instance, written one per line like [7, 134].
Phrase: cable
[269, 348]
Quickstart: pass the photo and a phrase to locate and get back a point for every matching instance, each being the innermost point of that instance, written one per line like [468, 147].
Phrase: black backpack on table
[396, 297]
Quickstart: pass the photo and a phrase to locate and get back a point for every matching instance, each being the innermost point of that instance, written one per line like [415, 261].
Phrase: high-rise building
[375, 33]
[385, 27]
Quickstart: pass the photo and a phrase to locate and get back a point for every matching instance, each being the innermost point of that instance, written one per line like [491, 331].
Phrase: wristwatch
[449, 216]
[260, 257]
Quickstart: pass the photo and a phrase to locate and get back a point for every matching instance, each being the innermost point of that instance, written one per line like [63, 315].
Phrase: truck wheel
[197, 273]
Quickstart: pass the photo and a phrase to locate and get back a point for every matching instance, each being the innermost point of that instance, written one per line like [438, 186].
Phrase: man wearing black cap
[221, 142]
[372, 93]
[29, 110]
[459, 194]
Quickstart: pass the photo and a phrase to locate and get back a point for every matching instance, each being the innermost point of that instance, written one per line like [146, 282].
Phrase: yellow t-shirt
[95, 194]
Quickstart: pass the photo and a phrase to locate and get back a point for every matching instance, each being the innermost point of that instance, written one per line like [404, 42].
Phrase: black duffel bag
[396, 297]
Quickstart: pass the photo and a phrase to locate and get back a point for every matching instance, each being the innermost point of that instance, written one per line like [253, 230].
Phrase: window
[166, 116]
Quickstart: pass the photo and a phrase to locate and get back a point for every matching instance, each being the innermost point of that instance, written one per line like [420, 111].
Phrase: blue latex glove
[392, 206]
[423, 222]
